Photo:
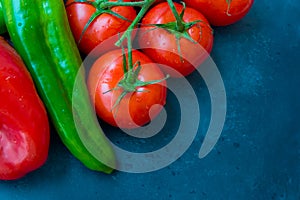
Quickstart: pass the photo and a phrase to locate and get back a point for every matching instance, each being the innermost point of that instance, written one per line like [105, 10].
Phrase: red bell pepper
[24, 125]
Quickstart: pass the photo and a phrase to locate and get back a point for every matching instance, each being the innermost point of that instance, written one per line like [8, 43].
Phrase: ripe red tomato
[24, 126]
[134, 109]
[221, 12]
[102, 28]
[161, 45]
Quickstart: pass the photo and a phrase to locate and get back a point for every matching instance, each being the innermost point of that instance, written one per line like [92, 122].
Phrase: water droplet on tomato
[21, 98]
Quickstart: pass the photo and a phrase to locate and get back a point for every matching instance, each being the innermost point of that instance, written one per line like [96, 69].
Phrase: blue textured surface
[258, 154]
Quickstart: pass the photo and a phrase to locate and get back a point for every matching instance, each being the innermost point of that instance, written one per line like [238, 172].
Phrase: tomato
[24, 126]
[134, 109]
[102, 28]
[161, 45]
[222, 12]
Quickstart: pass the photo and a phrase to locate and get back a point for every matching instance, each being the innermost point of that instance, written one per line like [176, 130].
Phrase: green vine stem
[108, 4]
[144, 9]
[127, 34]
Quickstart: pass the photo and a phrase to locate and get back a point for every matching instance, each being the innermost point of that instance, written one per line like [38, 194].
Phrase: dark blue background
[258, 154]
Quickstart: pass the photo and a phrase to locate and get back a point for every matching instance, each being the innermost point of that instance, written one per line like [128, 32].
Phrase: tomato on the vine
[104, 26]
[134, 108]
[222, 12]
[180, 50]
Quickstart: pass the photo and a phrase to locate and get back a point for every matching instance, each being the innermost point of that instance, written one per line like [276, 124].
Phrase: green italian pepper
[41, 34]
[2, 22]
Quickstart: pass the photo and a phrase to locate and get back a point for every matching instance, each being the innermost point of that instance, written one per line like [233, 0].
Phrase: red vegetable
[221, 12]
[24, 126]
[133, 110]
[169, 46]
[104, 26]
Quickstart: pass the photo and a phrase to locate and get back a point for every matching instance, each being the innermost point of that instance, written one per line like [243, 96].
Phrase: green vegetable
[2, 22]
[41, 34]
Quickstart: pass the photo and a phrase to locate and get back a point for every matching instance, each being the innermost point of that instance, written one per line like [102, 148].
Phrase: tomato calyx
[130, 82]
[104, 6]
[179, 25]
[179, 28]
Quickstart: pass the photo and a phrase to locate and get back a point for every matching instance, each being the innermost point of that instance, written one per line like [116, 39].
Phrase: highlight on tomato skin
[24, 125]
[222, 12]
[134, 108]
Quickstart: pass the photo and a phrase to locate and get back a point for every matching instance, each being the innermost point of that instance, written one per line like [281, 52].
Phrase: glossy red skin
[102, 28]
[217, 11]
[163, 44]
[24, 127]
[105, 74]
